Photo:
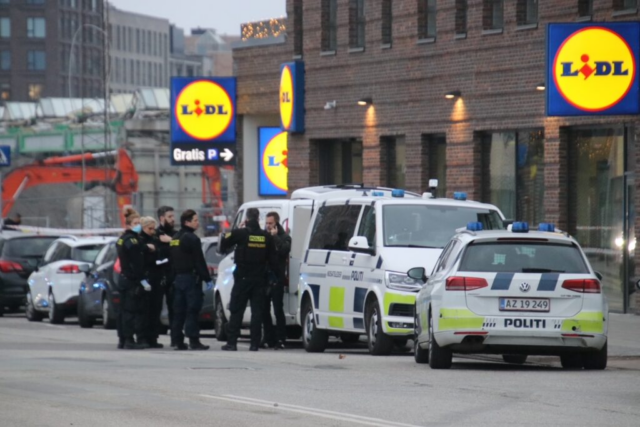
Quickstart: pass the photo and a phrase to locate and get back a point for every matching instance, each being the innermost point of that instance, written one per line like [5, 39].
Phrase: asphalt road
[66, 376]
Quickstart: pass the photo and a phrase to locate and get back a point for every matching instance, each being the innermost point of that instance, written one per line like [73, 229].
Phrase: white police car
[515, 293]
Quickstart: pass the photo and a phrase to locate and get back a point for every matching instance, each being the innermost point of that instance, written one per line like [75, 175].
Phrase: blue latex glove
[209, 286]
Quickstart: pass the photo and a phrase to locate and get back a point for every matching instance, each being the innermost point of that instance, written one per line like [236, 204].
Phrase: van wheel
[419, 354]
[32, 314]
[314, 340]
[439, 358]
[571, 361]
[221, 321]
[596, 361]
[380, 344]
[516, 359]
[56, 314]
[83, 320]
[108, 321]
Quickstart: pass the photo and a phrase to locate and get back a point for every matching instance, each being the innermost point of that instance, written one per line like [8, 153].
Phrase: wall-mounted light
[365, 101]
[541, 87]
[330, 105]
[453, 94]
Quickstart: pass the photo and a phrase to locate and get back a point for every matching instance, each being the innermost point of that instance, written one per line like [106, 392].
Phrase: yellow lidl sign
[274, 162]
[593, 69]
[286, 97]
[292, 97]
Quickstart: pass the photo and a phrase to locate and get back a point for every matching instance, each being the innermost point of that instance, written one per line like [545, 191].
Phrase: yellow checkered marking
[391, 298]
[585, 322]
[452, 319]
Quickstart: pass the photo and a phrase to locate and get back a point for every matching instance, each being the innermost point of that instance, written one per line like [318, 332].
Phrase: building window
[35, 91]
[3, 2]
[426, 19]
[5, 91]
[619, 5]
[329, 25]
[396, 160]
[387, 22]
[5, 27]
[340, 161]
[5, 60]
[138, 49]
[436, 151]
[36, 60]
[527, 12]
[297, 28]
[492, 15]
[585, 8]
[513, 174]
[461, 17]
[356, 24]
[33, 1]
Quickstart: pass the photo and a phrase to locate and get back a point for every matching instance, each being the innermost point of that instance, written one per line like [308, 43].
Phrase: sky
[223, 15]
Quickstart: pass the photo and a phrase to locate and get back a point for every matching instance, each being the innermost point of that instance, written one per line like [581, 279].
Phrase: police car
[516, 293]
[357, 251]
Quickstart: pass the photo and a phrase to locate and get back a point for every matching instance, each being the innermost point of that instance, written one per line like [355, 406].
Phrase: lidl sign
[273, 162]
[592, 69]
[292, 97]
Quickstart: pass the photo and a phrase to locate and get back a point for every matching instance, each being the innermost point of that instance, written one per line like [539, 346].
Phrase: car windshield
[429, 226]
[31, 247]
[523, 257]
[86, 253]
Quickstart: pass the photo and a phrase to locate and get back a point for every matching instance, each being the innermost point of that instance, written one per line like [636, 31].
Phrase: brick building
[454, 90]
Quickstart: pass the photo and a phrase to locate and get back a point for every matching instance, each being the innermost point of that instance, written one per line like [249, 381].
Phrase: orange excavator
[122, 179]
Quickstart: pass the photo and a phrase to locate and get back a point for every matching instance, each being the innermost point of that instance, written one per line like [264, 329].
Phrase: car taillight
[69, 269]
[584, 286]
[10, 267]
[465, 283]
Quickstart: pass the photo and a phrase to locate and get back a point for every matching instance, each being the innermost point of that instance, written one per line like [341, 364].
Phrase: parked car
[19, 255]
[53, 286]
[213, 258]
[98, 296]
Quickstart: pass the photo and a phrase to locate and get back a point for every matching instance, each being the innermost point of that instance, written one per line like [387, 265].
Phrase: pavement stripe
[340, 416]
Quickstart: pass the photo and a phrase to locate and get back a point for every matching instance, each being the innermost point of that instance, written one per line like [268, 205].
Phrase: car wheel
[314, 340]
[83, 320]
[571, 361]
[419, 354]
[439, 358]
[220, 322]
[108, 319]
[516, 359]
[350, 338]
[595, 361]
[380, 344]
[56, 315]
[32, 314]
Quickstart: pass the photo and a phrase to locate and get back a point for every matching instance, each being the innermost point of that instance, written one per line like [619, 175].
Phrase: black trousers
[153, 311]
[273, 334]
[131, 316]
[187, 303]
[246, 289]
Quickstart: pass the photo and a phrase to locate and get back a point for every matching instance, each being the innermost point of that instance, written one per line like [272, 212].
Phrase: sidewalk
[624, 335]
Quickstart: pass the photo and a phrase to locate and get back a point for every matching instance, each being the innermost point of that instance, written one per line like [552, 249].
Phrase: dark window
[329, 25]
[461, 17]
[426, 19]
[5, 91]
[492, 15]
[62, 252]
[523, 257]
[32, 247]
[86, 253]
[387, 22]
[5, 60]
[356, 24]
[334, 227]
[34, 1]
[527, 12]
[340, 161]
[625, 4]
[298, 32]
[368, 225]
[396, 160]
[585, 8]
[36, 60]
[212, 256]
[5, 27]
[2, 2]
[436, 151]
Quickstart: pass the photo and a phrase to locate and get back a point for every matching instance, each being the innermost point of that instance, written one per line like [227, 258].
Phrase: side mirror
[418, 273]
[599, 275]
[360, 244]
[85, 268]
[507, 222]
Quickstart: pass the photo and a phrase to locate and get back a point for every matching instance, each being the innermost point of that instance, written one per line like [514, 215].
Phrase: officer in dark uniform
[132, 282]
[189, 269]
[165, 232]
[254, 253]
[153, 272]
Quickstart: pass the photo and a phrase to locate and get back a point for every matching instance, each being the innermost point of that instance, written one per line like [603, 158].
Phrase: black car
[19, 255]
[98, 297]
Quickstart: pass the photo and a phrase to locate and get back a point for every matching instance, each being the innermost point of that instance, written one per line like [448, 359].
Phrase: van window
[334, 227]
[368, 225]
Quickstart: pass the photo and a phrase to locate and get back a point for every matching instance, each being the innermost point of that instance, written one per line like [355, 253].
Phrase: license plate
[525, 304]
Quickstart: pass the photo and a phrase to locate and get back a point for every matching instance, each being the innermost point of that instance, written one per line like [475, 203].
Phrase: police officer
[275, 337]
[154, 272]
[189, 269]
[254, 252]
[132, 282]
[165, 232]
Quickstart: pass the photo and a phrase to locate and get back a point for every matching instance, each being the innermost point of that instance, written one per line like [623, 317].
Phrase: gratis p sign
[273, 162]
[292, 97]
[203, 109]
[593, 69]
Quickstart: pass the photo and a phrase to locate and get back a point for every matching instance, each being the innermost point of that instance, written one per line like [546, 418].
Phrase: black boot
[253, 348]
[179, 346]
[130, 344]
[229, 347]
[279, 345]
[143, 344]
[195, 344]
[120, 343]
[153, 343]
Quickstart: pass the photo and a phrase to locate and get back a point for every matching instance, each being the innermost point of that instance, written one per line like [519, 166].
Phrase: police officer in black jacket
[152, 300]
[165, 232]
[254, 252]
[132, 282]
[189, 270]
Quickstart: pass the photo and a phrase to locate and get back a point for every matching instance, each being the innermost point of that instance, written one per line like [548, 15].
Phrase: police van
[355, 257]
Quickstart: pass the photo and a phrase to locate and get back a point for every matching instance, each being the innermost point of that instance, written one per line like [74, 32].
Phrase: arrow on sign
[227, 155]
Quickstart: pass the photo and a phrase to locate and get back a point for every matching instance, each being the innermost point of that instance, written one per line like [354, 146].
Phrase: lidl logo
[203, 110]
[292, 97]
[593, 69]
[286, 97]
[274, 162]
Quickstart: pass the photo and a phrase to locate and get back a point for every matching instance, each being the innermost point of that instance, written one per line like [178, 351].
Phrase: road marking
[340, 416]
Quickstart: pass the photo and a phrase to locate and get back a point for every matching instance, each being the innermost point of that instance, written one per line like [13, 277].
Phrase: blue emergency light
[475, 226]
[545, 226]
[397, 193]
[377, 193]
[520, 227]
[459, 195]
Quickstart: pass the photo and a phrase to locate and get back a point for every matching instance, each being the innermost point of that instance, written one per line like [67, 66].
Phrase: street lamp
[453, 94]
[365, 101]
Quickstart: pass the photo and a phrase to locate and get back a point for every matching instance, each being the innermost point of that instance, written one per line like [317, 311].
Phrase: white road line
[340, 416]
